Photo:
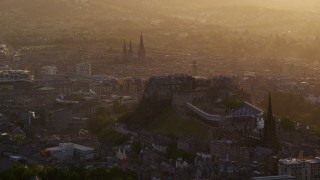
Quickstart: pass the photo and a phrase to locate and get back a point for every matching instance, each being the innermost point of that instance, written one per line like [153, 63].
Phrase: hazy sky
[304, 5]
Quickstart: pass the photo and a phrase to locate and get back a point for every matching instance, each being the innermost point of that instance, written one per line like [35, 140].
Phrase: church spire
[270, 114]
[142, 52]
[141, 41]
[270, 134]
[130, 51]
[124, 51]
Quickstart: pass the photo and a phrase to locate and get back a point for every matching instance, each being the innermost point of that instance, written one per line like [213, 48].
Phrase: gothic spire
[141, 41]
[270, 114]
[270, 133]
[130, 51]
[124, 52]
[130, 47]
[141, 52]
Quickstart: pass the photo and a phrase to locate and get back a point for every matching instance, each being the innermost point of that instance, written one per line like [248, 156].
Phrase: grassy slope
[171, 123]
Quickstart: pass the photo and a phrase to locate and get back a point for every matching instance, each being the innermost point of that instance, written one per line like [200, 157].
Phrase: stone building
[57, 120]
[222, 148]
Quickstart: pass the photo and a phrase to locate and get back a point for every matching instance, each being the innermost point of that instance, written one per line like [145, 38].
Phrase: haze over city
[160, 89]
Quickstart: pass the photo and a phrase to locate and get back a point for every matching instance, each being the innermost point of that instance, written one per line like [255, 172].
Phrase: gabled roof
[246, 109]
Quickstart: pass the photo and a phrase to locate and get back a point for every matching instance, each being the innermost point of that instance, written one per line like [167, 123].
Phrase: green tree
[110, 136]
[95, 124]
[136, 147]
[232, 103]
[74, 176]
[174, 153]
[287, 124]
[316, 132]
[119, 108]
[101, 111]
[19, 172]
[99, 121]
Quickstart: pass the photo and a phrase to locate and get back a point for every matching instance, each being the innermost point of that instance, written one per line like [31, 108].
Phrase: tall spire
[270, 133]
[270, 114]
[141, 52]
[124, 51]
[130, 51]
[141, 41]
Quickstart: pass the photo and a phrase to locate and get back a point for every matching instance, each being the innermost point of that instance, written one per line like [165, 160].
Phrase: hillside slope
[161, 118]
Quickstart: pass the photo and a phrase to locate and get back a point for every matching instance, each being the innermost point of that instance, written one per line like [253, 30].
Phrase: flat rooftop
[281, 177]
[57, 148]
[82, 148]
[70, 145]
[298, 161]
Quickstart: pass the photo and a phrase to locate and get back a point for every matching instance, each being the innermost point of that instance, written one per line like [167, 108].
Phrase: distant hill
[213, 26]
[248, 13]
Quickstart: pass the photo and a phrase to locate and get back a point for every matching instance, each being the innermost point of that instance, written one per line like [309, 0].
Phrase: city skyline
[162, 89]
